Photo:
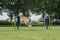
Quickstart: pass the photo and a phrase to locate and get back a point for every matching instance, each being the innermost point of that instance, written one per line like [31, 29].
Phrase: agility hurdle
[48, 22]
[16, 22]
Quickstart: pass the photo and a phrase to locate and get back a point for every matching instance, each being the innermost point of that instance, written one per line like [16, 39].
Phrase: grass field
[26, 33]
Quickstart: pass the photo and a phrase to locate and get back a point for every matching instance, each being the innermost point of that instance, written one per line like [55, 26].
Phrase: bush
[56, 23]
[37, 23]
[34, 23]
[5, 23]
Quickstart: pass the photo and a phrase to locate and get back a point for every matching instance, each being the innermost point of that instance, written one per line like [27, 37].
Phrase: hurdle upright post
[49, 22]
[15, 23]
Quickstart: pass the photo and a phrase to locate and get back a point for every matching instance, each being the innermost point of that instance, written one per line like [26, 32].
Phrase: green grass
[26, 33]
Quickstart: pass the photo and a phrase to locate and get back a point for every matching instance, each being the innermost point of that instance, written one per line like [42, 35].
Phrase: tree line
[36, 5]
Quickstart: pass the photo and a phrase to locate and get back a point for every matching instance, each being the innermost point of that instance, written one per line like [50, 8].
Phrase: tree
[35, 5]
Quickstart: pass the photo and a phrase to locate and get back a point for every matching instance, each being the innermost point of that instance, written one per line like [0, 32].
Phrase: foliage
[35, 5]
[5, 23]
